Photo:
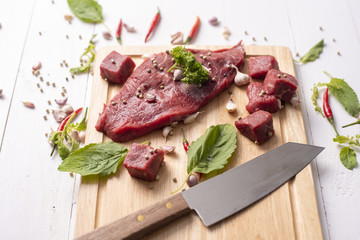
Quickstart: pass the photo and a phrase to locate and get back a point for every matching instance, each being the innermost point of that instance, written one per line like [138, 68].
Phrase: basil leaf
[86, 10]
[64, 151]
[313, 53]
[212, 150]
[346, 96]
[348, 157]
[95, 158]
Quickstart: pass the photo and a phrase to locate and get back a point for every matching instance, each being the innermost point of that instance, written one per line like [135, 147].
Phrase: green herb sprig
[211, 151]
[90, 54]
[63, 141]
[349, 100]
[194, 72]
[313, 53]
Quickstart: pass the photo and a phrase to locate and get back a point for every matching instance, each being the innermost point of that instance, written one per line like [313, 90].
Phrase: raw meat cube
[259, 100]
[143, 161]
[280, 84]
[258, 126]
[116, 68]
[259, 66]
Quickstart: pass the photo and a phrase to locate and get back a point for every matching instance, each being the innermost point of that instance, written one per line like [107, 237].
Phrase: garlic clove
[241, 79]
[29, 104]
[295, 100]
[230, 106]
[75, 134]
[168, 149]
[166, 131]
[82, 136]
[214, 21]
[59, 115]
[177, 38]
[61, 101]
[191, 118]
[149, 97]
[178, 74]
[36, 66]
[129, 29]
[67, 109]
[107, 35]
[226, 33]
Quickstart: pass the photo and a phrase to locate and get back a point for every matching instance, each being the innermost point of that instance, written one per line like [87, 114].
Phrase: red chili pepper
[193, 31]
[118, 32]
[154, 22]
[185, 142]
[63, 123]
[327, 110]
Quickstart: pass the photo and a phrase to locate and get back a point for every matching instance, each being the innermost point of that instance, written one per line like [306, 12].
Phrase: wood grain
[288, 213]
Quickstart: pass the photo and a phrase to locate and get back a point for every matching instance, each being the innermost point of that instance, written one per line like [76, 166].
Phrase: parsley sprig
[194, 72]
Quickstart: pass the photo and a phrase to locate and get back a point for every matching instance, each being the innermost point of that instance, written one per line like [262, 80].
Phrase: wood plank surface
[288, 213]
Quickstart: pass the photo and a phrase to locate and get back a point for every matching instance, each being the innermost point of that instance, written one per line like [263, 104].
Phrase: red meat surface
[129, 116]
[116, 68]
[143, 161]
[259, 66]
[258, 126]
[280, 84]
[259, 100]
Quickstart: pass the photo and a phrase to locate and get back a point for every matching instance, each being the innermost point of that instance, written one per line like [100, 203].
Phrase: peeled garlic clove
[166, 131]
[191, 118]
[279, 103]
[295, 100]
[178, 74]
[67, 109]
[241, 79]
[168, 149]
[59, 115]
[231, 106]
[149, 97]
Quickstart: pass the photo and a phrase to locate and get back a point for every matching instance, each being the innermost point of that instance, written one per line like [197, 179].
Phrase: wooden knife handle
[143, 221]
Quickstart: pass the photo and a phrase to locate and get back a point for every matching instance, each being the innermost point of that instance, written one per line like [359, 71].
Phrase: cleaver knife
[218, 197]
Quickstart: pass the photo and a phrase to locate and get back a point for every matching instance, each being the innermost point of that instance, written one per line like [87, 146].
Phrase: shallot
[61, 101]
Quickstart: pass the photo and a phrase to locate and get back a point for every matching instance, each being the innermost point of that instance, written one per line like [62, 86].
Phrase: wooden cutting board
[288, 213]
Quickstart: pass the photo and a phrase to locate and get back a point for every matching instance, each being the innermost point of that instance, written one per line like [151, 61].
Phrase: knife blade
[218, 197]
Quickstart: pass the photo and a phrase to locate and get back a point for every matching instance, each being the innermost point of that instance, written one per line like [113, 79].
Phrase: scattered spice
[53, 84]
[148, 70]
[38, 85]
[265, 38]
[154, 23]
[177, 38]
[245, 32]
[214, 21]
[80, 37]
[47, 83]
[107, 35]
[63, 94]
[45, 118]
[129, 29]
[333, 40]
[40, 33]
[174, 180]
[67, 36]
[41, 90]
[320, 28]
[226, 33]
[41, 78]
[338, 53]
[253, 38]
[47, 111]
[69, 18]
[193, 31]
[49, 102]
[29, 104]
[297, 54]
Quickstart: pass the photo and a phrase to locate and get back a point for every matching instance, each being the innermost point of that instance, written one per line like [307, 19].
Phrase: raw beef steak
[143, 161]
[280, 84]
[151, 99]
[258, 126]
[116, 68]
[259, 66]
[259, 100]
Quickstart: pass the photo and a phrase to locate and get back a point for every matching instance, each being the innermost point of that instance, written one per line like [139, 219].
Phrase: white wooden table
[39, 202]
